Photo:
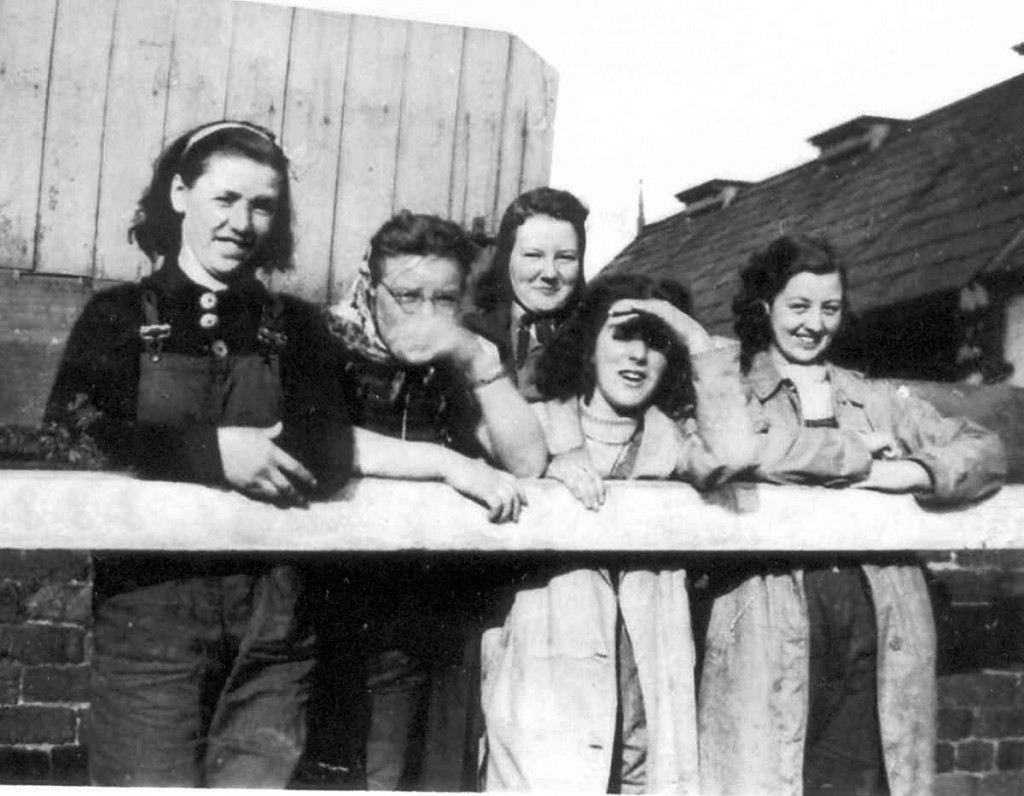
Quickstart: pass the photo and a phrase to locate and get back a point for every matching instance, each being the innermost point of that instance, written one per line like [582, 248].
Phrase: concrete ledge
[92, 511]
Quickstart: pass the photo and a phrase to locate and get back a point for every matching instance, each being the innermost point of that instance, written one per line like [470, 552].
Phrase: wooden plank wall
[375, 114]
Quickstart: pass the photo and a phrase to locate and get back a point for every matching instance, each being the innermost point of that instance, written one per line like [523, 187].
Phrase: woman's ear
[178, 190]
[764, 308]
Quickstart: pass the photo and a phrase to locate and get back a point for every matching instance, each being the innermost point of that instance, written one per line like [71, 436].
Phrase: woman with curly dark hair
[589, 683]
[819, 674]
[198, 373]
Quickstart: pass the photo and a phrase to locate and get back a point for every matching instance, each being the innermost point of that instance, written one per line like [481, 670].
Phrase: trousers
[201, 682]
[843, 748]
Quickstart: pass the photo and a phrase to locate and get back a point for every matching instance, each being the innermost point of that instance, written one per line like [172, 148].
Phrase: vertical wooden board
[539, 120]
[73, 137]
[199, 64]
[514, 126]
[312, 137]
[258, 66]
[26, 36]
[369, 141]
[133, 129]
[429, 111]
[478, 132]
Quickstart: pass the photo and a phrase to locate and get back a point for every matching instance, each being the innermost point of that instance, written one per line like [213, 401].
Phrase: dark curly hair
[766, 275]
[156, 228]
[495, 287]
[424, 235]
[566, 369]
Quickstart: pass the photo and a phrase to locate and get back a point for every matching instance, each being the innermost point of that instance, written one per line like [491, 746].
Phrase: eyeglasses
[412, 301]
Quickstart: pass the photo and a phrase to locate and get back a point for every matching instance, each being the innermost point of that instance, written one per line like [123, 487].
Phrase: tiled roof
[935, 203]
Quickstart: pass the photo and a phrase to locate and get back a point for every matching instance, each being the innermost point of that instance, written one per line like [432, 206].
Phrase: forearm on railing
[81, 510]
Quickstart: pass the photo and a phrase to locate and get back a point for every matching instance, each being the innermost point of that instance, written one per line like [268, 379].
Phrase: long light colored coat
[550, 689]
[754, 688]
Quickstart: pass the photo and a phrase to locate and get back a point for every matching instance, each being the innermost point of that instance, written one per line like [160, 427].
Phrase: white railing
[78, 510]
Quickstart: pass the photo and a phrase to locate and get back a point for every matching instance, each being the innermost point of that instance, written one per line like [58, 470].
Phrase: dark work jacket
[496, 324]
[97, 391]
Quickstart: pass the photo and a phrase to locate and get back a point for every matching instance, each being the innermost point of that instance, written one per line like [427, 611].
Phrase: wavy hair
[156, 228]
[423, 235]
[767, 273]
[566, 369]
[495, 286]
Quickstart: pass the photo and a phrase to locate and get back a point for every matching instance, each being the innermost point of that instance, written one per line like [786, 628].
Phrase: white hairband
[210, 129]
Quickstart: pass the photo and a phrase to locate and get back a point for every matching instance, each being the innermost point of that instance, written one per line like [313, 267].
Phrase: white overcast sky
[676, 92]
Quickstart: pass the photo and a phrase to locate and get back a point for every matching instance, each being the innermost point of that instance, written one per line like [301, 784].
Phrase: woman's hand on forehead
[685, 329]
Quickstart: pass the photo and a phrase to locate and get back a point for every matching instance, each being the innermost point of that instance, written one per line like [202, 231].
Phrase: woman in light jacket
[588, 685]
[819, 675]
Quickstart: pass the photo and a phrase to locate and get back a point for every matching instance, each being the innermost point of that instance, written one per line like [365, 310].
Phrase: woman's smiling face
[806, 315]
[228, 212]
[544, 265]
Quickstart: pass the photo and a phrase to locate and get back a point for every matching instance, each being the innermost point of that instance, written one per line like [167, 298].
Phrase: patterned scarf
[351, 320]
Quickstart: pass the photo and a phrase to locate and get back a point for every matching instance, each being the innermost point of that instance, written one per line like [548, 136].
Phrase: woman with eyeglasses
[430, 400]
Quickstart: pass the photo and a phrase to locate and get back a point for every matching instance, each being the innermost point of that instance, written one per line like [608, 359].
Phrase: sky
[677, 92]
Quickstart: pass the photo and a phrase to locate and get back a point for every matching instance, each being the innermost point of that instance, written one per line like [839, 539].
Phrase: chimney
[863, 134]
[710, 195]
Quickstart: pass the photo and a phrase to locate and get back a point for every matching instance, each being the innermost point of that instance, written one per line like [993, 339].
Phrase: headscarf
[352, 321]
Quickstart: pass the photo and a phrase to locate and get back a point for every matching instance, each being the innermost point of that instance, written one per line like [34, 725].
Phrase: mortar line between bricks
[73, 705]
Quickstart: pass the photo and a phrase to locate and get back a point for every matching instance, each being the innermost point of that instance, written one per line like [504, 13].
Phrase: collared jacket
[549, 688]
[754, 689]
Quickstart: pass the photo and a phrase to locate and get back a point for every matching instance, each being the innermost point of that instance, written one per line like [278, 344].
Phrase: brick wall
[979, 601]
[981, 733]
[36, 315]
[44, 653]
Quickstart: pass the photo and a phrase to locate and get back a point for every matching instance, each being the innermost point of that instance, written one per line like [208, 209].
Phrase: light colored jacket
[754, 689]
[549, 686]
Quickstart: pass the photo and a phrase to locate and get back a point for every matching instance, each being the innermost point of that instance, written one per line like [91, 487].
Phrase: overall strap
[152, 332]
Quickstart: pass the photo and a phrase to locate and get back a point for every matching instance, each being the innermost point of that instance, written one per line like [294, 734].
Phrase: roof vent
[863, 134]
[710, 195]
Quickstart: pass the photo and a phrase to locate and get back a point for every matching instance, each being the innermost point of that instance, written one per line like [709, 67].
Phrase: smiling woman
[822, 669]
[589, 683]
[225, 214]
[199, 374]
[534, 279]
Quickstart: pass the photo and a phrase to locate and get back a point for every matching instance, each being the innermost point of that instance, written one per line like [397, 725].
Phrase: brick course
[38, 725]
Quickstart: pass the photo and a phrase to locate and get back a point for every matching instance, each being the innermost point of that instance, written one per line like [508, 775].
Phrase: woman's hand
[882, 444]
[500, 492]
[576, 470]
[898, 476]
[686, 330]
[254, 465]
[424, 338]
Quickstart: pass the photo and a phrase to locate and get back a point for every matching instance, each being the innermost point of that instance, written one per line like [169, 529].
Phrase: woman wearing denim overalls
[198, 373]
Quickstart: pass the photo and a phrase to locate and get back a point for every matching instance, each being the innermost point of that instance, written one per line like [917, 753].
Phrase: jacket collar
[763, 377]
[765, 380]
